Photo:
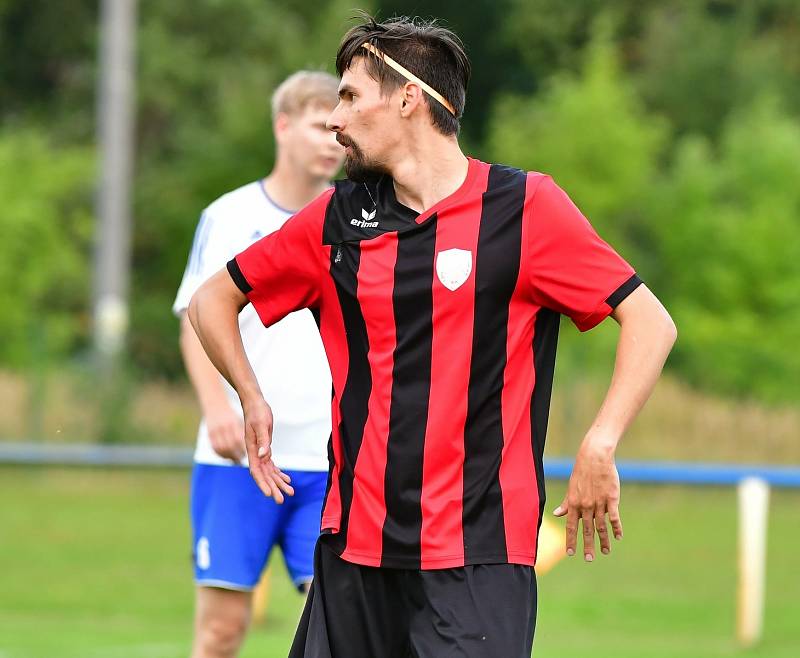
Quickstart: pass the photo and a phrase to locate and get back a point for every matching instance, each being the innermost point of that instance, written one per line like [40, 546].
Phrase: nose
[334, 121]
[332, 141]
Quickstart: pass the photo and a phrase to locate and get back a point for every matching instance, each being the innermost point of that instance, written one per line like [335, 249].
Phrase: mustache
[344, 141]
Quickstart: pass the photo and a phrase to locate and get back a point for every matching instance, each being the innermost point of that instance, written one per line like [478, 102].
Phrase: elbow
[672, 333]
[670, 330]
[192, 311]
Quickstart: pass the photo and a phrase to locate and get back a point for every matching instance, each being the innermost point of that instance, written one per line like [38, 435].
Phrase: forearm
[646, 337]
[647, 334]
[213, 313]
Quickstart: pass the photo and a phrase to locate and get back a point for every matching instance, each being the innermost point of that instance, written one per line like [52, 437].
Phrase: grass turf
[96, 563]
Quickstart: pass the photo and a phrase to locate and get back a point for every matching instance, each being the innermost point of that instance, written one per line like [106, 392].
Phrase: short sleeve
[283, 271]
[210, 251]
[572, 270]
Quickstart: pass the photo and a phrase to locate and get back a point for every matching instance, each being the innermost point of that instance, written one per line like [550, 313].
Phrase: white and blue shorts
[235, 526]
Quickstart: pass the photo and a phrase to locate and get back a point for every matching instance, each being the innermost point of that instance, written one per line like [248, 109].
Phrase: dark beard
[359, 169]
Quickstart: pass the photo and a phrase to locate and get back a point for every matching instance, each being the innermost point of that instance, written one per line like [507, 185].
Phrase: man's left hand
[592, 498]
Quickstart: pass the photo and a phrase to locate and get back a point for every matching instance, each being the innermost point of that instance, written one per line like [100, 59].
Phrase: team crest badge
[453, 267]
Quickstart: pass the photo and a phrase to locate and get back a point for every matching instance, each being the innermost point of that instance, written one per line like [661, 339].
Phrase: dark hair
[431, 52]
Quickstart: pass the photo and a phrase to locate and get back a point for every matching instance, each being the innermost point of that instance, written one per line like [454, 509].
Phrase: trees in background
[673, 124]
[46, 228]
[725, 224]
[709, 220]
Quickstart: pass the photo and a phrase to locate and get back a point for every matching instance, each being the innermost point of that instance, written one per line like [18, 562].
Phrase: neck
[431, 170]
[291, 188]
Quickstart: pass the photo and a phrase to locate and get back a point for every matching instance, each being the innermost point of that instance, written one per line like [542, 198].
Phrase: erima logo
[367, 221]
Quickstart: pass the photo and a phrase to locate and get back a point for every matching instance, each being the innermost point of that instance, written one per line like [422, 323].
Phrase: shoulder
[543, 191]
[308, 221]
[505, 179]
[233, 203]
[238, 217]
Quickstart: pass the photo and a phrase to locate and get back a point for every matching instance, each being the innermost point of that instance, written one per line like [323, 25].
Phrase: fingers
[237, 440]
[616, 521]
[602, 530]
[259, 457]
[256, 466]
[591, 521]
[269, 478]
[561, 510]
[234, 447]
[587, 521]
[592, 502]
[277, 481]
[275, 491]
[282, 481]
[226, 440]
[572, 530]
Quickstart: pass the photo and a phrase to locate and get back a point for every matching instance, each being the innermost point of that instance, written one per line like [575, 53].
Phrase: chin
[323, 171]
[359, 172]
[331, 173]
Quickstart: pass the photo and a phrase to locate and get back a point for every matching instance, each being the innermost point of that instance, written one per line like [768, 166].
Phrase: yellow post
[261, 597]
[551, 546]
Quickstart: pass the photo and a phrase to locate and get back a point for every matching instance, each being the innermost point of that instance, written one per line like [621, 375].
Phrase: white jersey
[287, 358]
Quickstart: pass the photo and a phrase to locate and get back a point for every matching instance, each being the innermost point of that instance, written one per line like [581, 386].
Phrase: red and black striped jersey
[440, 330]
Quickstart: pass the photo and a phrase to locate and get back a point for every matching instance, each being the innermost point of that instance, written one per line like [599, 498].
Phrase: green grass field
[96, 563]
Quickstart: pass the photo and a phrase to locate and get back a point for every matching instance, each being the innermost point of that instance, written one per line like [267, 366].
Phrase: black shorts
[479, 611]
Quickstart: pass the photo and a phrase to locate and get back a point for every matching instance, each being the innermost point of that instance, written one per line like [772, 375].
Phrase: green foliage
[46, 224]
[700, 61]
[591, 133]
[692, 61]
[496, 65]
[711, 230]
[47, 64]
[725, 225]
[672, 123]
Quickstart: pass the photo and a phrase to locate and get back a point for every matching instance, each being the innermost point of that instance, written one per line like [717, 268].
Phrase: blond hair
[303, 89]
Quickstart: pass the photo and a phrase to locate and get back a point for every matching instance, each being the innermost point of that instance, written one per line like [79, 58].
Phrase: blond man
[235, 526]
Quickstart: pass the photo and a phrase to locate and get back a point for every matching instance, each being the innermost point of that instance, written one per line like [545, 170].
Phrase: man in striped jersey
[438, 281]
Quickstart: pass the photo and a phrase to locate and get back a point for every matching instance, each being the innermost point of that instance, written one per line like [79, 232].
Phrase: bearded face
[358, 167]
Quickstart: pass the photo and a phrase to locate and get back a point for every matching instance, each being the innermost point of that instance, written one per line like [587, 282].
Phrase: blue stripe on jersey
[195, 265]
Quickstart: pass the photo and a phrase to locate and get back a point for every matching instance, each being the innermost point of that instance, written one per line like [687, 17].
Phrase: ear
[280, 126]
[410, 98]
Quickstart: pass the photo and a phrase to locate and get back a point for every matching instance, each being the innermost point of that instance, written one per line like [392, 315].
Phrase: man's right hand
[225, 431]
[258, 440]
